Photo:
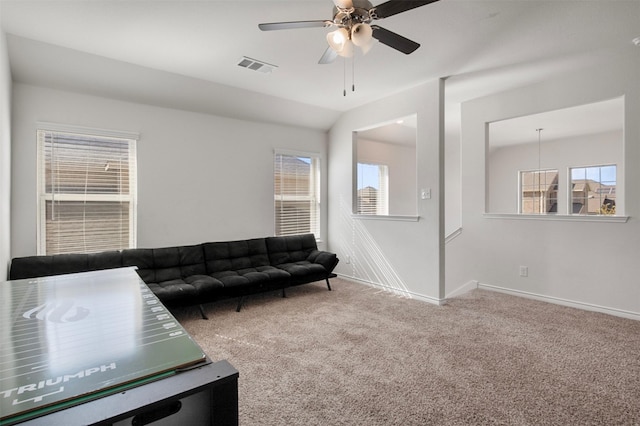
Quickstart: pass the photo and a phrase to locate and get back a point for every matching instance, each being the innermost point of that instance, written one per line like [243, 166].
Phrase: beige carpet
[360, 356]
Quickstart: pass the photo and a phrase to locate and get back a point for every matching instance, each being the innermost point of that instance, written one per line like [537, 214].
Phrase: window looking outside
[87, 192]
[539, 192]
[593, 190]
[297, 194]
[373, 189]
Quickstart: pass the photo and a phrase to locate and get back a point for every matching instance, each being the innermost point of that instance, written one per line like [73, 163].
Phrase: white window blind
[87, 192]
[373, 189]
[297, 194]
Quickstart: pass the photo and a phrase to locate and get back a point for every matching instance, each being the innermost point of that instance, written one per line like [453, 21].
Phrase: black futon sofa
[202, 273]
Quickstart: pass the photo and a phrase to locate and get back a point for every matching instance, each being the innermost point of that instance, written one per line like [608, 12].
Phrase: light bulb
[337, 39]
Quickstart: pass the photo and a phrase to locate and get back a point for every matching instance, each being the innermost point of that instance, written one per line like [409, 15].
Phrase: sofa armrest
[327, 259]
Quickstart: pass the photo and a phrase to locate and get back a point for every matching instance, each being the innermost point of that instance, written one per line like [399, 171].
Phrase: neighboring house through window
[373, 189]
[87, 190]
[297, 194]
[539, 192]
[593, 190]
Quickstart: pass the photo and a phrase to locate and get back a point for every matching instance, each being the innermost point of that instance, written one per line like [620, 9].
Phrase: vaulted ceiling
[184, 54]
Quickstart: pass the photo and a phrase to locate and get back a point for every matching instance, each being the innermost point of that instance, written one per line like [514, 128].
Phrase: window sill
[385, 217]
[560, 217]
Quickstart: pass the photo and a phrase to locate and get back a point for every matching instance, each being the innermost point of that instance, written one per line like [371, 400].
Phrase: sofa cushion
[41, 266]
[327, 259]
[68, 263]
[143, 259]
[201, 288]
[177, 262]
[31, 267]
[192, 260]
[104, 260]
[260, 277]
[300, 257]
[235, 255]
[242, 265]
[291, 248]
[176, 275]
[304, 271]
[173, 292]
[207, 288]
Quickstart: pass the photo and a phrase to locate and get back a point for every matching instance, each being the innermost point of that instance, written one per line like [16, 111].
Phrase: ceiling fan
[353, 20]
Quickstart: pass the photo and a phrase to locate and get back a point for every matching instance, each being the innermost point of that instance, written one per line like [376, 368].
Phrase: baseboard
[563, 302]
[473, 284]
[399, 292]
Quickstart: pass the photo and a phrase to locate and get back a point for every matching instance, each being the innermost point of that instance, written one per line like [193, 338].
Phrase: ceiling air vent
[254, 64]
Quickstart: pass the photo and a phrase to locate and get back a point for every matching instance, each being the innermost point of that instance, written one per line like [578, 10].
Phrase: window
[539, 192]
[593, 190]
[87, 191]
[297, 194]
[373, 189]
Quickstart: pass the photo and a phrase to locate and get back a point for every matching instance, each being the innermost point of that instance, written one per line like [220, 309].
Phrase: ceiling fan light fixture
[343, 4]
[347, 49]
[338, 39]
[362, 36]
[353, 18]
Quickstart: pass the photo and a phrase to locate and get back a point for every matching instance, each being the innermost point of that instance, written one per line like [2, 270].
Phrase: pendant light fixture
[539, 148]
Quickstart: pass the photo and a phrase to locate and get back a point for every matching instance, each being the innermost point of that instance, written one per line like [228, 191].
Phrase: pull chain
[353, 73]
[344, 77]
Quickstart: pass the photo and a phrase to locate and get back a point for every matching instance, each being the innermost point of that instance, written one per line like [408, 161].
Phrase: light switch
[425, 193]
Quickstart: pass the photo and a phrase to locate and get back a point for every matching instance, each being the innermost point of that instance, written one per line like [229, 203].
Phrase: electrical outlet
[524, 271]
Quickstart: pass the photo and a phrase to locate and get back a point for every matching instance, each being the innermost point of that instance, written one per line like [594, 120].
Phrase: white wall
[5, 157]
[560, 254]
[452, 183]
[200, 177]
[401, 255]
[587, 150]
[401, 161]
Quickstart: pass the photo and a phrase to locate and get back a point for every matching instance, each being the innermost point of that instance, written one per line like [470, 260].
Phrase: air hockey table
[100, 348]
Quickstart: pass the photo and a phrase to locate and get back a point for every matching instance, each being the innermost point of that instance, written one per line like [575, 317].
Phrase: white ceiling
[402, 131]
[597, 117]
[183, 54]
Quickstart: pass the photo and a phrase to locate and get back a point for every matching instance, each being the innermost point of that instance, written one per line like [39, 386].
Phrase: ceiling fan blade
[343, 4]
[393, 7]
[394, 40]
[293, 25]
[328, 56]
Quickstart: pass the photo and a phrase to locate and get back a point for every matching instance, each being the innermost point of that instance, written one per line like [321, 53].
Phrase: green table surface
[69, 338]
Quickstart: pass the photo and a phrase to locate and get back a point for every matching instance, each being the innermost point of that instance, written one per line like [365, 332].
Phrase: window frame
[571, 217]
[570, 186]
[314, 197]
[521, 197]
[43, 196]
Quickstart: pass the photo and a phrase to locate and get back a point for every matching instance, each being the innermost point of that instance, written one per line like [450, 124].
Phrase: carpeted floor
[360, 356]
